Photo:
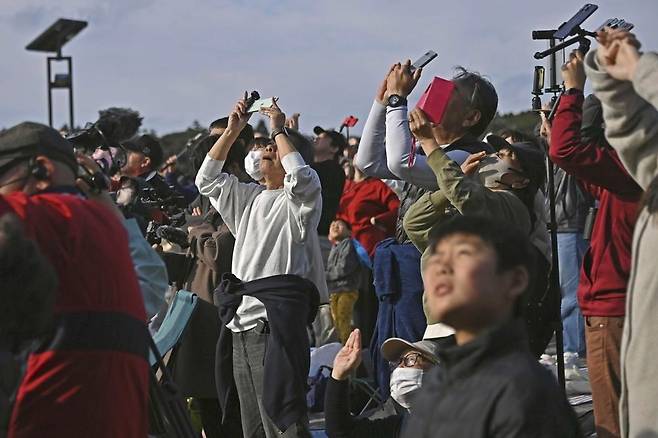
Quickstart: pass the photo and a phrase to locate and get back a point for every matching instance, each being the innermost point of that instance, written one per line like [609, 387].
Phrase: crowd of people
[420, 253]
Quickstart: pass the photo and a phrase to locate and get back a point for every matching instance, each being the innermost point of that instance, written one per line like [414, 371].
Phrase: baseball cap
[28, 139]
[337, 139]
[147, 145]
[531, 158]
[393, 348]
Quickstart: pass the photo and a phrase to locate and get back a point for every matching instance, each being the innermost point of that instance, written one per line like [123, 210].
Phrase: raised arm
[466, 193]
[301, 183]
[371, 156]
[339, 421]
[629, 100]
[402, 156]
[401, 152]
[226, 194]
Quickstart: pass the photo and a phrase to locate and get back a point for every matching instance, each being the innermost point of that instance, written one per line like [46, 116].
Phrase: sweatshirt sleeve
[401, 152]
[304, 193]
[371, 157]
[591, 163]
[149, 267]
[227, 195]
[631, 122]
[340, 423]
[423, 216]
[468, 195]
[645, 80]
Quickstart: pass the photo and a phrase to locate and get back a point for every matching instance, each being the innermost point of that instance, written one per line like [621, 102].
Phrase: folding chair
[168, 415]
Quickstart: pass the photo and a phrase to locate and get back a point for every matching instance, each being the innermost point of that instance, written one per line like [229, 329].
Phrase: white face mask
[405, 382]
[252, 164]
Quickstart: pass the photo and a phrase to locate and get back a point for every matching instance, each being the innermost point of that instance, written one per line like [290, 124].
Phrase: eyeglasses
[409, 360]
[262, 143]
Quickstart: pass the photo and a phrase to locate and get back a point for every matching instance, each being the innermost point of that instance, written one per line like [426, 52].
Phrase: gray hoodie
[631, 127]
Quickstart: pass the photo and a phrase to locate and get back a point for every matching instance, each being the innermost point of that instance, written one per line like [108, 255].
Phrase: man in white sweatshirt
[274, 226]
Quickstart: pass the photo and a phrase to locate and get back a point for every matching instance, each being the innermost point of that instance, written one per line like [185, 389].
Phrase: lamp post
[51, 41]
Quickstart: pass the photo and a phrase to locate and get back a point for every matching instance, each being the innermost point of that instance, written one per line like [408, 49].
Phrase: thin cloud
[180, 61]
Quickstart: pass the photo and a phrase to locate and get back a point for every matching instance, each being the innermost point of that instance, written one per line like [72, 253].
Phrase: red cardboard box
[435, 99]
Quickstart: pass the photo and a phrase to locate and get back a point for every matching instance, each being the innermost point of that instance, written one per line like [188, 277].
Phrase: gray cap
[393, 348]
[29, 139]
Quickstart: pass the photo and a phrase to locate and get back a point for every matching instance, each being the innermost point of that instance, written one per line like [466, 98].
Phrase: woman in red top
[371, 209]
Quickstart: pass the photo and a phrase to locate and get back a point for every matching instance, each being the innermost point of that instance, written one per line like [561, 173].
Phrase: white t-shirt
[274, 229]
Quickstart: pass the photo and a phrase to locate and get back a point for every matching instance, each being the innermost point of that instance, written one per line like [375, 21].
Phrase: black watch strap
[277, 132]
[395, 100]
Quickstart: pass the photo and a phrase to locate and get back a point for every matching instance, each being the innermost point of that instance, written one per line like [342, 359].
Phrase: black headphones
[38, 170]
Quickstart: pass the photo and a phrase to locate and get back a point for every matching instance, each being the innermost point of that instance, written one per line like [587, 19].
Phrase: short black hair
[236, 154]
[511, 245]
[220, 123]
[482, 96]
[302, 144]
[518, 136]
[246, 135]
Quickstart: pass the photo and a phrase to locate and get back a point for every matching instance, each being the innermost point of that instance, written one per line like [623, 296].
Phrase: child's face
[338, 231]
[463, 287]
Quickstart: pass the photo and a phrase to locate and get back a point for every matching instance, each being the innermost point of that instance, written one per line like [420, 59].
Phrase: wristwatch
[395, 100]
[277, 132]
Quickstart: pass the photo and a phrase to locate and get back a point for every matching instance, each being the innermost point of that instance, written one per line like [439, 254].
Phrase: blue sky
[177, 61]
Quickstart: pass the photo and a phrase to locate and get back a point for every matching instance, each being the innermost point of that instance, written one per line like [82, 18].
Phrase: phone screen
[261, 103]
[423, 60]
[575, 21]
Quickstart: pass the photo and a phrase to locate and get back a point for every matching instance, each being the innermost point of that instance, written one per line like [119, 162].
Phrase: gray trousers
[248, 358]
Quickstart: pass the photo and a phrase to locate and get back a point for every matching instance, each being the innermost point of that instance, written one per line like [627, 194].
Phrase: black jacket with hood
[491, 387]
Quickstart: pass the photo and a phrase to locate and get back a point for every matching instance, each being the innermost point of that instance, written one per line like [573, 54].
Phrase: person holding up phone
[279, 270]
[388, 151]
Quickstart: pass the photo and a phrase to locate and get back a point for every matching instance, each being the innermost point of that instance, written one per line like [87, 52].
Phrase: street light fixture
[52, 40]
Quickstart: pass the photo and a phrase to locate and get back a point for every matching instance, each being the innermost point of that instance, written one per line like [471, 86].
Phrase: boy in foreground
[488, 384]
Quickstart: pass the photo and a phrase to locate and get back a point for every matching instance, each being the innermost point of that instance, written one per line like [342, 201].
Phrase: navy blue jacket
[291, 303]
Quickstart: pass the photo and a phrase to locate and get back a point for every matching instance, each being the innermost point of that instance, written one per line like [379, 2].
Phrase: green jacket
[468, 195]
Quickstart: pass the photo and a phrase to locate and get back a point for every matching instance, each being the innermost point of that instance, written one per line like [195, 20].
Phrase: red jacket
[607, 263]
[364, 200]
[92, 379]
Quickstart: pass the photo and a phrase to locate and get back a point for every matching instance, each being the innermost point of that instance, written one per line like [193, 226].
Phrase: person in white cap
[409, 362]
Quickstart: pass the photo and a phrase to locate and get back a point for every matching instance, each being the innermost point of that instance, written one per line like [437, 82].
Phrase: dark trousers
[603, 339]
[248, 360]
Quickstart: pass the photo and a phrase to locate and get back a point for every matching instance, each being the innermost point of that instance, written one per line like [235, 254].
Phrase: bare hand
[472, 162]
[573, 71]
[349, 357]
[401, 80]
[625, 62]
[196, 211]
[293, 122]
[614, 44]
[239, 117]
[102, 196]
[170, 165]
[381, 92]
[420, 125]
[277, 117]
